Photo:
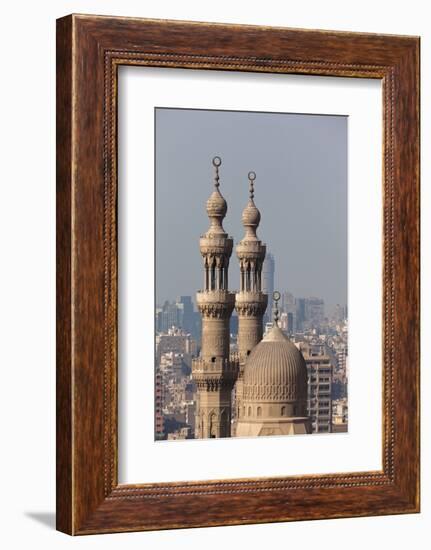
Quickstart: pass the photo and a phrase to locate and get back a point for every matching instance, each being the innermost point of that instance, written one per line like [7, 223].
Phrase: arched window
[259, 411]
[294, 410]
[283, 411]
[249, 411]
[213, 274]
[213, 359]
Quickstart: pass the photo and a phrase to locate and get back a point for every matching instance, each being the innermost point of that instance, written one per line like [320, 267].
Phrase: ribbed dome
[251, 215]
[216, 205]
[275, 370]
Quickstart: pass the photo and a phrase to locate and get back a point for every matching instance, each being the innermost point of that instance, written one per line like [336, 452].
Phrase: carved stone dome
[216, 205]
[250, 215]
[275, 370]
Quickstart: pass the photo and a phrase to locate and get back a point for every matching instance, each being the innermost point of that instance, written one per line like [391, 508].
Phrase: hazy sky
[300, 189]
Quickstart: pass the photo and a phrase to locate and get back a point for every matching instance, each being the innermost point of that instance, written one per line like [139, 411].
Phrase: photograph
[237, 272]
[215, 277]
[251, 304]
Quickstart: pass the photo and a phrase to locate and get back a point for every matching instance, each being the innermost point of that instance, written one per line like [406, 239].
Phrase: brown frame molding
[89, 51]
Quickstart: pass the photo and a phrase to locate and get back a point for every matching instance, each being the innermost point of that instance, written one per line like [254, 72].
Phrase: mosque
[261, 389]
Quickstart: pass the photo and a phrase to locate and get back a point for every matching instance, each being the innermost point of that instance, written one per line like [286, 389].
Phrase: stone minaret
[250, 301]
[213, 372]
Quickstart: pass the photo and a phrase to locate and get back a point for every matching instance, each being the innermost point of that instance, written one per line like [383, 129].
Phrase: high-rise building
[213, 372]
[314, 311]
[188, 321]
[159, 422]
[169, 315]
[191, 319]
[250, 301]
[234, 324]
[300, 313]
[339, 313]
[179, 314]
[319, 400]
[289, 308]
[308, 313]
[284, 323]
[268, 270]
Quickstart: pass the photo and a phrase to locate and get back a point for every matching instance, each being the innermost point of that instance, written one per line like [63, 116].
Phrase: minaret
[250, 301]
[213, 371]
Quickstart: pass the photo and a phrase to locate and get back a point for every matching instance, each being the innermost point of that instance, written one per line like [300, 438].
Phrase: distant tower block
[213, 372]
[250, 301]
[268, 283]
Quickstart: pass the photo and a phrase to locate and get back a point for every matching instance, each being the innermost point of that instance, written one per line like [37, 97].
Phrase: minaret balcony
[251, 296]
[214, 245]
[214, 375]
[224, 369]
[251, 250]
[211, 297]
[249, 303]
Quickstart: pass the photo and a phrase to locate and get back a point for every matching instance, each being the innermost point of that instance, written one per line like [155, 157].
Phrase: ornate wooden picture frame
[89, 51]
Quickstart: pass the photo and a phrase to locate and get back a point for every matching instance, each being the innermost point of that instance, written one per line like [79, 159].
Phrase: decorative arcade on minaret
[250, 301]
[215, 372]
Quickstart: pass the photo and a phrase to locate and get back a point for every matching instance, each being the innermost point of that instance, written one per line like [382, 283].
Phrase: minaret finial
[216, 164]
[276, 297]
[250, 214]
[251, 178]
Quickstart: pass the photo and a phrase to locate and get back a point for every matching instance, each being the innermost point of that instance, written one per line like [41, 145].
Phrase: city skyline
[329, 311]
[276, 370]
[307, 201]
[296, 315]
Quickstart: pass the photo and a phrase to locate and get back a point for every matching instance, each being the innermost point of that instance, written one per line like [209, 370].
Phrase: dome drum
[277, 412]
[289, 426]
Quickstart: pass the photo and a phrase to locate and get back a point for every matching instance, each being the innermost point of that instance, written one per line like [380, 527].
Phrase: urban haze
[301, 190]
[260, 350]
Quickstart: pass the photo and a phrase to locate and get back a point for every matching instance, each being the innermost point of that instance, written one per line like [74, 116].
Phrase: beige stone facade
[213, 372]
[269, 375]
[274, 389]
[250, 301]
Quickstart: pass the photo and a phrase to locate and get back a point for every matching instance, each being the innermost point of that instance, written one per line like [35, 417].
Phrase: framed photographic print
[237, 274]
